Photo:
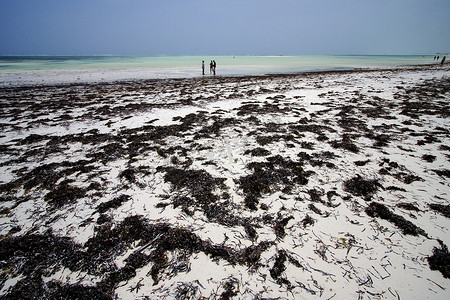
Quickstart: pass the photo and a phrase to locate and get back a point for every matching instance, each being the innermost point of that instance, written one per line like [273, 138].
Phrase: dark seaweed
[280, 225]
[395, 188]
[346, 143]
[46, 176]
[114, 203]
[307, 220]
[315, 209]
[278, 267]
[231, 288]
[258, 152]
[33, 287]
[132, 173]
[408, 178]
[443, 173]
[250, 231]
[63, 194]
[39, 252]
[268, 176]
[381, 140]
[426, 99]
[428, 158]
[319, 159]
[408, 206]
[378, 210]
[440, 260]
[361, 163]
[200, 185]
[440, 208]
[362, 187]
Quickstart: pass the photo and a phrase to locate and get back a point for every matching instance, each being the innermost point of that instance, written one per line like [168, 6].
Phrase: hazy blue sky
[139, 27]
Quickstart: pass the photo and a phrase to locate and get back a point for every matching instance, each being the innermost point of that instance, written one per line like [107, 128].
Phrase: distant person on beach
[203, 67]
[214, 67]
[443, 60]
[210, 67]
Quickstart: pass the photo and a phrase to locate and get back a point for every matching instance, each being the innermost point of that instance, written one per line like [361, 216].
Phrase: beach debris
[33, 256]
[426, 98]
[250, 231]
[231, 288]
[36, 288]
[408, 178]
[443, 173]
[63, 194]
[397, 171]
[130, 173]
[187, 290]
[257, 152]
[312, 207]
[279, 267]
[114, 203]
[440, 260]
[346, 143]
[408, 206]
[429, 158]
[88, 151]
[359, 186]
[203, 196]
[97, 254]
[280, 225]
[379, 210]
[274, 174]
[319, 159]
[441, 208]
[307, 221]
[395, 188]
[361, 163]
[46, 176]
[381, 140]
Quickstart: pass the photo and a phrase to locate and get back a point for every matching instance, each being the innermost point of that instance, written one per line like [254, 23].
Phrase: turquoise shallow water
[274, 63]
[51, 69]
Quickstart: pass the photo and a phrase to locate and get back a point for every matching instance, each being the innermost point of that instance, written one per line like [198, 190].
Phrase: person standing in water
[203, 67]
[443, 60]
[210, 67]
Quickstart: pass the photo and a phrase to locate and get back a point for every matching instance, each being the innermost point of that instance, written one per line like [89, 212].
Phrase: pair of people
[212, 67]
[442, 61]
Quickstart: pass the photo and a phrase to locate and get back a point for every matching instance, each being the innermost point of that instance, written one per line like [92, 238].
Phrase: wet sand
[330, 185]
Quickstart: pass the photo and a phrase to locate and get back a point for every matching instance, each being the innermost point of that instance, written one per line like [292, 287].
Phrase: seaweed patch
[63, 194]
[258, 152]
[267, 177]
[440, 208]
[378, 210]
[440, 260]
[347, 143]
[114, 203]
[359, 186]
[199, 183]
[408, 206]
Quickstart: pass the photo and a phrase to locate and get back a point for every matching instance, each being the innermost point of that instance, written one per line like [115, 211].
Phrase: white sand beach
[331, 185]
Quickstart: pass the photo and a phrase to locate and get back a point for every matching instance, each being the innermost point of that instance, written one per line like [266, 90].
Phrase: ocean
[24, 70]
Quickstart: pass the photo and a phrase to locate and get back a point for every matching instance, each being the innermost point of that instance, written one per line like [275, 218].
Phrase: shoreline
[309, 185]
[74, 77]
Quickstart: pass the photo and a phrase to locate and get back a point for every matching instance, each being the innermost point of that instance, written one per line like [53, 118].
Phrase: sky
[224, 27]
